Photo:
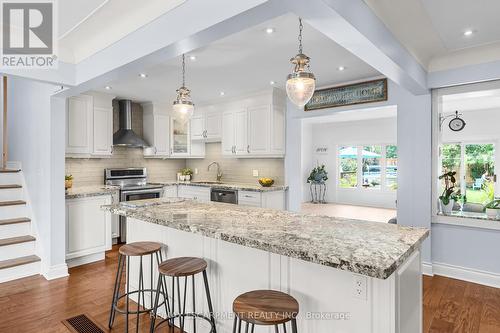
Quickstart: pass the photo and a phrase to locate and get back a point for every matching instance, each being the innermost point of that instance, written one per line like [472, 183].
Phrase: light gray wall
[36, 139]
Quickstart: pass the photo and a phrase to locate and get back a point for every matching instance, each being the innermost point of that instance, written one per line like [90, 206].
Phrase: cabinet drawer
[170, 191]
[249, 198]
[194, 192]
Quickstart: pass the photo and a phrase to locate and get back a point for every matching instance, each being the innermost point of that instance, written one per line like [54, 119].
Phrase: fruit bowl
[266, 182]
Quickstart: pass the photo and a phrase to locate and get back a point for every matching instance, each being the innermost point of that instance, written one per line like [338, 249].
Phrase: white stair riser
[15, 230]
[17, 250]
[10, 178]
[18, 272]
[11, 194]
[13, 212]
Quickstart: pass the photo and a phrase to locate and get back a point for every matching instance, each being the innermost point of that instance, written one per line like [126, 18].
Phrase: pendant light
[183, 107]
[301, 82]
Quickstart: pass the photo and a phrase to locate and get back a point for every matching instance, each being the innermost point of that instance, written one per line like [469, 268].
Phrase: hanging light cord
[183, 70]
[300, 35]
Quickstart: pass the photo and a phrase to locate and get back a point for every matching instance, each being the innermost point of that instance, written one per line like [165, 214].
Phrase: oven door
[131, 196]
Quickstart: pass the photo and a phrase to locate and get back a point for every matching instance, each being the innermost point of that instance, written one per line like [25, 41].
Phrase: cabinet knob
[248, 149]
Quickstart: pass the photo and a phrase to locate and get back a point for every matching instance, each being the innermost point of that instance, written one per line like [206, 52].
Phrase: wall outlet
[359, 283]
[195, 171]
[255, 173]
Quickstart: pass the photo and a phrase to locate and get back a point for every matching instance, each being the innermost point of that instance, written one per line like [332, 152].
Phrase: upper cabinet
[156, 129]
[255, 126]
[206, 125]
[89, 126]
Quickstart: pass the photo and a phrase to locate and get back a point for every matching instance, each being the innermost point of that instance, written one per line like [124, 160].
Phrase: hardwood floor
[36, 305]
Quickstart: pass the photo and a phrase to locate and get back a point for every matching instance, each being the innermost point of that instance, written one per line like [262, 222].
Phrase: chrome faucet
[219, 172]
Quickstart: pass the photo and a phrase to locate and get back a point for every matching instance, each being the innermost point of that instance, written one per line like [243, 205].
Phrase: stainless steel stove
[133, 183]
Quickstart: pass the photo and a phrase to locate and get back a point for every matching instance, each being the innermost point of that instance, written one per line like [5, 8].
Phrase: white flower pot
[188, 177]
[182, 177]
[446, 209]
[492, 212]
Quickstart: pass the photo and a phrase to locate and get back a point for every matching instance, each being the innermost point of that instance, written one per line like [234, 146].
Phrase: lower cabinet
[266, 199]
[88, 229]
[194, 192]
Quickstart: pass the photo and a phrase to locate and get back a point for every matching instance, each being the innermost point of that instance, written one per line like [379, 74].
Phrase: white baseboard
[467, 274]
[427, 269]
[85, 259]
[56, 272]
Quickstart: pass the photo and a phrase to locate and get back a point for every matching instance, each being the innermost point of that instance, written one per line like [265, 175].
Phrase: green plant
[186, 172]
[449, 192]
[318, 175]
[489, 190]
[494, 204]
[68, 177]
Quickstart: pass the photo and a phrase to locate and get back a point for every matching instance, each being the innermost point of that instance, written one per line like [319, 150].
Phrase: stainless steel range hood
[125, 136]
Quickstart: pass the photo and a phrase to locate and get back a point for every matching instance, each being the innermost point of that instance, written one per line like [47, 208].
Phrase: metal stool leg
[209, 300]
[294, 326]
[139, 291]
[116, 290]
[155, 309]
[235, 322]
[276, 329]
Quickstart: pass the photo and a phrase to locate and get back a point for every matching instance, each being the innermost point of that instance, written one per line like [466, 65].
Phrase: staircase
[17, 244]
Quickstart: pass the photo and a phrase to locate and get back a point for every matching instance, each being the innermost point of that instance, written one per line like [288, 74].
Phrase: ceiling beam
[354, 26]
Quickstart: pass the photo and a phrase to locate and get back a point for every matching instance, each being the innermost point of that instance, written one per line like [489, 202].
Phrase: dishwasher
[222, 195]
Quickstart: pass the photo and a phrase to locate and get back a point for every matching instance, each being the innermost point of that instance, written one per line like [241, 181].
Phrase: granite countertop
[90, 191]
[230, 186]
[369, 248]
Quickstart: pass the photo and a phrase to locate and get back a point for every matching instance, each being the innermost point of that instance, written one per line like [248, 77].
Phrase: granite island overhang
[361, 276]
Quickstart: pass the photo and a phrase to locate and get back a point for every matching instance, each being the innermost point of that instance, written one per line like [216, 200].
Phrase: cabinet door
[213, 124]
[259, 130]
[197, 128]
[241, 132]
[103, 131]
[180, 138]
[228, 133]
[278, 130]
[78, 125]
[161, 135]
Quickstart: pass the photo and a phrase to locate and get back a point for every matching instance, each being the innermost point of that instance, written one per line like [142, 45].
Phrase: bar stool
[265, 307]
[137, 249]
[177, 268]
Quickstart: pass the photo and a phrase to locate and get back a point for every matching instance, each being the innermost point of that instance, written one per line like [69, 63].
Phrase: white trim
[427, 269]
[56, 272]
[467, 274]
[85, 259]
[466, 222]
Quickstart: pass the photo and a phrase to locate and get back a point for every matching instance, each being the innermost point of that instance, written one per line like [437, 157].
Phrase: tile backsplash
[236, 170]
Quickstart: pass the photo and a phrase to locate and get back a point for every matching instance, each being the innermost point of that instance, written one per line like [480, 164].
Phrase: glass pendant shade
[300, 88]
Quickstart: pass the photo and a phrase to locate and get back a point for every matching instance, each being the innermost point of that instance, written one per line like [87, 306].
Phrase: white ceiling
[88, 26]
[432, 30]
[242, 63]
[472, 101]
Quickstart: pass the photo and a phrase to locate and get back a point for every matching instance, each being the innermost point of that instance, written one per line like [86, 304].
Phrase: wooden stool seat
[139, 248]
[266, 307]
[182, 266]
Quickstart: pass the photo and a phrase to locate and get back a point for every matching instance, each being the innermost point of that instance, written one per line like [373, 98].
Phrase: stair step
[12, 203]
[15, 221]
[2, 170]
[16, 240]
[18, 261]
[10, 186]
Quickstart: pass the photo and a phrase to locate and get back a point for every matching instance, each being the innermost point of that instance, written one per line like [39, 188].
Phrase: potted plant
[493, 208]
[317, 179]
[318, 175]
[186, 173]
[449, 195]
[68, 181]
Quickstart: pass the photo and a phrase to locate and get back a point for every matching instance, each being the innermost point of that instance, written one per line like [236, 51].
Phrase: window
[391, 169]
[348, 167]
[377, 165]
[371, 166]
[474, 164]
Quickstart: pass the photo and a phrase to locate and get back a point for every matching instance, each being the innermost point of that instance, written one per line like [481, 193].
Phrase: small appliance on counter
[133, 186]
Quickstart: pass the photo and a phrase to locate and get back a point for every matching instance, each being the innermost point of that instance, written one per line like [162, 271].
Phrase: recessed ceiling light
[107, 88]
[269, 30]
[143, 75]
[468, 33]
[341, 68]
[272, 83]
[192, 57]
[222, 93]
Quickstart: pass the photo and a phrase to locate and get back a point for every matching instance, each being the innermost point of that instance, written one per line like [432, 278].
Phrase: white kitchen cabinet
[265, 199]
[156, 129]
[194, 192]
[257, 130]
[197, 127]
[206, 126]
[170, 191]
[88, 229]
[89, 126]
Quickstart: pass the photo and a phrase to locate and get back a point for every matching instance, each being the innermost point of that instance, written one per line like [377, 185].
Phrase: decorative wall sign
[321, 150]
[350, 94]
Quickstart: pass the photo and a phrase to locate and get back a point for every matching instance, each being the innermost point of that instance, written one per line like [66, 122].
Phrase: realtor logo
[28, 36]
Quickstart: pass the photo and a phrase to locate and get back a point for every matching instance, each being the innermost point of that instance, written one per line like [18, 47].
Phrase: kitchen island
[348, 275]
